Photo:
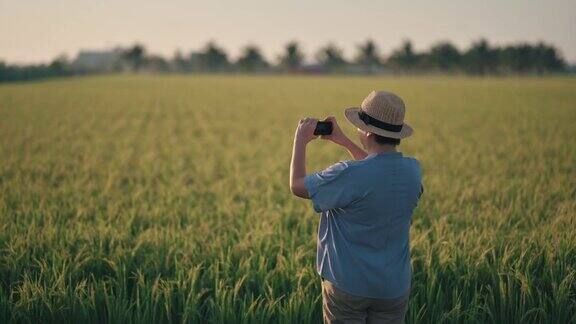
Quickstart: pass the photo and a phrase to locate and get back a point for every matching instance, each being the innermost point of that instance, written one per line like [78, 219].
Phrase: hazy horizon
[38, 32]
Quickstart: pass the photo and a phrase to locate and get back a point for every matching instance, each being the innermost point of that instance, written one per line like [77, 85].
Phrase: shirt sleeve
[333, 187]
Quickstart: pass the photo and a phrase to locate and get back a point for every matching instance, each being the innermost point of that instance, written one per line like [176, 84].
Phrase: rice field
[148, 199]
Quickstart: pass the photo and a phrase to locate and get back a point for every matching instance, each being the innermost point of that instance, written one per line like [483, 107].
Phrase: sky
[35, 31]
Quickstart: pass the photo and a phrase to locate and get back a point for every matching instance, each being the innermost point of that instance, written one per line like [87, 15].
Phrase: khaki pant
[341, 307]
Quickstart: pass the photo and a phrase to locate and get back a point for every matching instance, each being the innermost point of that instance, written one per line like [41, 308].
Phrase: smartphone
[323, 128]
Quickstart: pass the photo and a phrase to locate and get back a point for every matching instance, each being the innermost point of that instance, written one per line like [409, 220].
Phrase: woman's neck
[377, 148]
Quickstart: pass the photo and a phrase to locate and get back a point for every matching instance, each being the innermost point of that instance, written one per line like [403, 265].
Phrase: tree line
[480, 58]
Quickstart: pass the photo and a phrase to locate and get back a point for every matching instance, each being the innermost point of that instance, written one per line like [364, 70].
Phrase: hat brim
[352, 115]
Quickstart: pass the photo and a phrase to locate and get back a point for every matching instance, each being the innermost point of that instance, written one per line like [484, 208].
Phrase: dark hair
[386, 140]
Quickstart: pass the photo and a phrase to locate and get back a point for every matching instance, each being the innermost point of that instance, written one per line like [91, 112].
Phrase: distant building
[312, 68]
[98, 61]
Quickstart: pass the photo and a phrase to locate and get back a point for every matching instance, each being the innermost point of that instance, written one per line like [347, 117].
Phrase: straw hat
[381, 113]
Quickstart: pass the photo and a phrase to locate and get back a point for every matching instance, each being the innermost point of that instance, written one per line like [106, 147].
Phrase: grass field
[166, 198]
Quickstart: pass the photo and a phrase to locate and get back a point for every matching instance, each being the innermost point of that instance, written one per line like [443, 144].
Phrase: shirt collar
[389, 154]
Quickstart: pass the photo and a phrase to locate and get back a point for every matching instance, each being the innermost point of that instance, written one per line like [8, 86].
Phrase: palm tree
[330, 56]
[252, 59]
[404, 57]
[214, 58]
[368, 56]
[292, 58]
[135, 56]
[444, 56]
[480, 58]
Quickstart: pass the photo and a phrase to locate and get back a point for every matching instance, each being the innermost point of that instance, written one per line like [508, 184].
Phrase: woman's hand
[337, 135]
[305, 130]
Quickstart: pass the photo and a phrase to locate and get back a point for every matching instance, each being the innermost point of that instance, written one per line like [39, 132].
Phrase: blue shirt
[363, 237]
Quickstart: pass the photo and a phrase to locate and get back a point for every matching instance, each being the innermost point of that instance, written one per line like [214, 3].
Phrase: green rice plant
[146, 199]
